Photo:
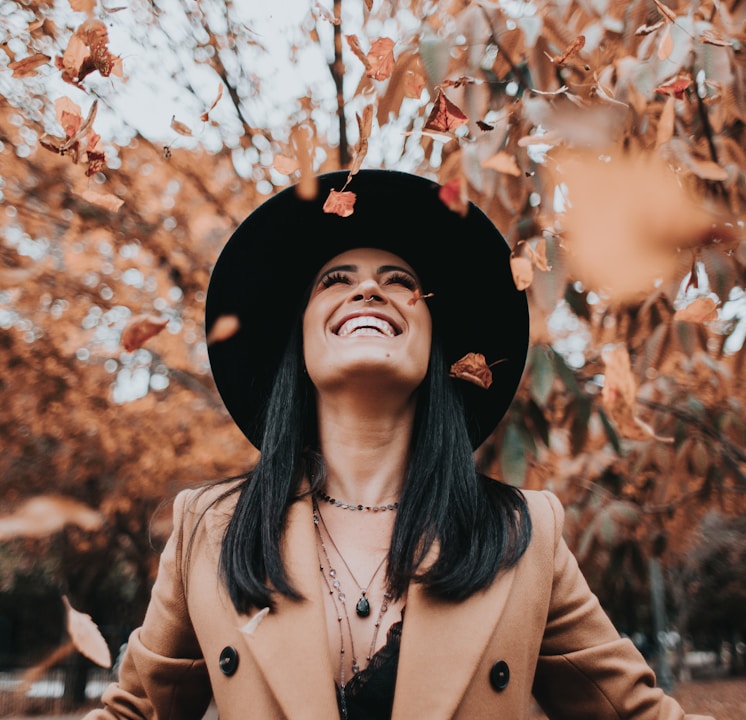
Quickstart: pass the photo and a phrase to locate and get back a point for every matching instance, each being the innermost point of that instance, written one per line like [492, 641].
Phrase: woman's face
[363, 321]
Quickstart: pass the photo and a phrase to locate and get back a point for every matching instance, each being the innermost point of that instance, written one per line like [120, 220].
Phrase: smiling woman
[364, 569]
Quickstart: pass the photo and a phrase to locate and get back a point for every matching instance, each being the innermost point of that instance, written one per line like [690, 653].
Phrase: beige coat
[538, 627]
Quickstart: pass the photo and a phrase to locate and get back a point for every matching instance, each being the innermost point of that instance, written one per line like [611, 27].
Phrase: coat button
[499, 675]
[228, 660]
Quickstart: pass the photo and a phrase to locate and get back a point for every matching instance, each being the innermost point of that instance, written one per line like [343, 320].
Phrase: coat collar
[290, 643]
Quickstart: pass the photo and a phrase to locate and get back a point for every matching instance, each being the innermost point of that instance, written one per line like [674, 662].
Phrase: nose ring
[370, 299]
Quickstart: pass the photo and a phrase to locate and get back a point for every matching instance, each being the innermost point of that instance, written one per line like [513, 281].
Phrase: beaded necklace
[339, 599]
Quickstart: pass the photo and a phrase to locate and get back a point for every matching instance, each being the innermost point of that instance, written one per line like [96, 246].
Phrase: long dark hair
[480, 525]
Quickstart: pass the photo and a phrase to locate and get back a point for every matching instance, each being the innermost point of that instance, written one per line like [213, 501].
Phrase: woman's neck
[365, 446]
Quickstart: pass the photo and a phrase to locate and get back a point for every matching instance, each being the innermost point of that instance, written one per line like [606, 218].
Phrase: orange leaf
[28, 65]
[523, 272]
[453, 195]
[474, 369]
[340, 203]
[666, 11]
[445, 116]
[180, 127]
[504, 163]
[380, 59]
[86, 6]
[418, 296]
[573, 49]
[357, 50]
[226, 326]
[364, 123]
[140, 329]
[701, 310]
[206, 114]
[86, 636]
[675, 88]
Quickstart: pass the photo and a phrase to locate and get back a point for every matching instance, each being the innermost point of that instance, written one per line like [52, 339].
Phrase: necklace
[352, 506]
[362, 608]
[336, 594]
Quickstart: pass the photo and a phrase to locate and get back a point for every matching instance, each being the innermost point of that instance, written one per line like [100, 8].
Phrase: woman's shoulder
[211, 502]
[546, 511]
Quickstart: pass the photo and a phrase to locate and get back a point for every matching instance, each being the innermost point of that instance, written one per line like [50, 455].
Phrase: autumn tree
[605, 140]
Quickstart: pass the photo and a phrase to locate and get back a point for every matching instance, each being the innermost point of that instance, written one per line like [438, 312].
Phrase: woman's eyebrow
[395, 268]
[337, 268]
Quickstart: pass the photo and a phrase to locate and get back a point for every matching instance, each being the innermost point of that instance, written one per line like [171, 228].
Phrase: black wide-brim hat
[268, 263]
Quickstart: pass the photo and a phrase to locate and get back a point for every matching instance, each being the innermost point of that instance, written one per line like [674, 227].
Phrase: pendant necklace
[336, 594]
[362, 608]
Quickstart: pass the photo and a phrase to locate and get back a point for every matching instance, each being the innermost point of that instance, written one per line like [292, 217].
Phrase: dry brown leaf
[205, 116]
[180, 127]
[523, 271]
[711, 37]
[107, 201]
[473, 368]
[701, 310]
[284, 164]
[226, 326]
[357, 50]
[665, 44]
[28, 65]
[419, 295]
[414, 84]
[676, 87]
[87, 51]
[340, 203]
[140, 329]
[365, 124]
[380, 59]
[503, 162]
[86, 636]
[445, 116]
[666, 11]
[666, 122]
[570, 51]
[454, 196]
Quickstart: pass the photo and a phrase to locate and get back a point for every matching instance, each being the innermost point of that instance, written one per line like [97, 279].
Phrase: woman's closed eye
[400, 278]
[334, 278]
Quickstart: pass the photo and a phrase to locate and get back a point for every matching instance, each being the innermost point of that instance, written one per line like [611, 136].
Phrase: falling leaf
[140, 329]
[648, 29]
[618, 395]
[86, 636]
[107, 201]
[364, 123]
[340, 203]
[666, 11]
[711, 37]
[701, 310]
[45, 515]
[28, 65]
[87, 51]
[180, 127]
[418, 295]
[204, 117]
[675, 88]
[523, 271]
[473, 368]
[665, 44]
[445, 116]
[504, 163]
[284, 164]
[357, 50]
[453, 195]
[414, 84]
[380, 57]
[226, 326]
[573, 49]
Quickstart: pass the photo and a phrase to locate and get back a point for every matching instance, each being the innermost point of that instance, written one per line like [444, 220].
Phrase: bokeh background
[605, 139]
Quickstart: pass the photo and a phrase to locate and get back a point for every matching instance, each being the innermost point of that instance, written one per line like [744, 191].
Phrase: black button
[499, 675]
[228, 660]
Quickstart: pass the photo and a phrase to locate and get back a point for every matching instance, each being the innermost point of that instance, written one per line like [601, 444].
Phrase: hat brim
[268, 263]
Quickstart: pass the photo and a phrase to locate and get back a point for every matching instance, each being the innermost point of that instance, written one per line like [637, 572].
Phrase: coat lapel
[441, 646]
[290, 643]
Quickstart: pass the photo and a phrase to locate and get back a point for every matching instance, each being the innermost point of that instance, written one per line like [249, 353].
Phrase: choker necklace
[351, 506]
[362, 608]
[336, 594]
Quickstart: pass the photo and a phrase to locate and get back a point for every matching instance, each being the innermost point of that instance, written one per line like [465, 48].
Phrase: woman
[363, 568]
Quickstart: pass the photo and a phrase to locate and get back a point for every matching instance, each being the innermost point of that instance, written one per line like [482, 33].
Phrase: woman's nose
[368, 291]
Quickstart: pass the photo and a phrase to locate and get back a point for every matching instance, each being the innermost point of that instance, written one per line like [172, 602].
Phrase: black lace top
[370, 694]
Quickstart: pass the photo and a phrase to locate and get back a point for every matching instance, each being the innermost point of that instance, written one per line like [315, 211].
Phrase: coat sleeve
[586, 670]
[162, 674]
